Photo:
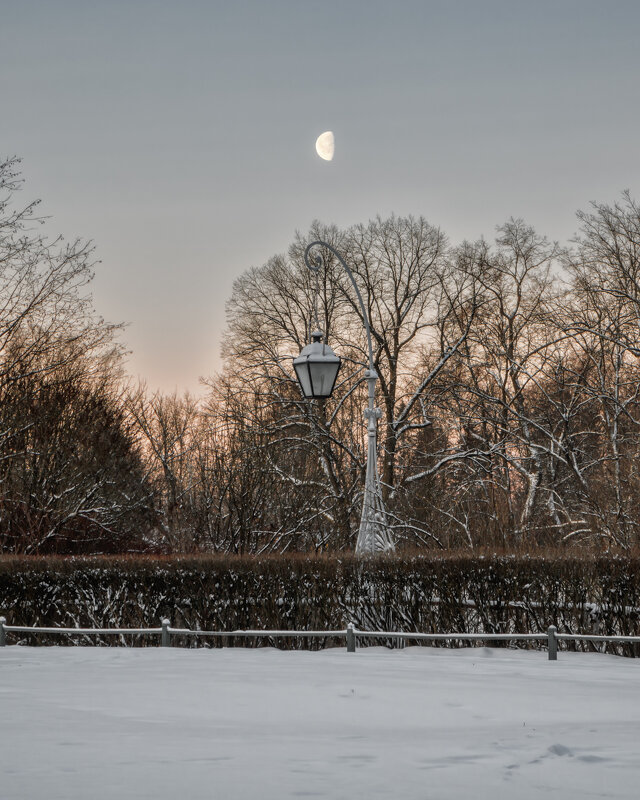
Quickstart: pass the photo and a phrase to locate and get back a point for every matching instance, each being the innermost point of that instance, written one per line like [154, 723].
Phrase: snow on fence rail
[350, 634]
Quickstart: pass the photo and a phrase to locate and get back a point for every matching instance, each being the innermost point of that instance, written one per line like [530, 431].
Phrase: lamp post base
[374, 536]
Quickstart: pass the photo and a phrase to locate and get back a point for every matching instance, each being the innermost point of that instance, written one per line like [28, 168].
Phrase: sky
[179, 137]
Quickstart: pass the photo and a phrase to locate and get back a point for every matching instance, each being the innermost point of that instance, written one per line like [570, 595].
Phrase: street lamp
[317, 369]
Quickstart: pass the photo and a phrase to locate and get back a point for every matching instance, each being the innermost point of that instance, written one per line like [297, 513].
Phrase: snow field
[245, 724]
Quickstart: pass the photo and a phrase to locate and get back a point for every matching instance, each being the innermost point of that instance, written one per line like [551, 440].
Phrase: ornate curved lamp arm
[315, 265]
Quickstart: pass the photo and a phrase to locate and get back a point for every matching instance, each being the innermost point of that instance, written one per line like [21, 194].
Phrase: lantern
[317, 368]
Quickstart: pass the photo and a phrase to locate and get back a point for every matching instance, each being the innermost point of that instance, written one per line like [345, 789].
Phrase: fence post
[166, 636]
[3, 633]
[351, 638]
[553, 643]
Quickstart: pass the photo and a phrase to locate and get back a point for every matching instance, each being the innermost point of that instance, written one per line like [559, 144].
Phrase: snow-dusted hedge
[441, 594]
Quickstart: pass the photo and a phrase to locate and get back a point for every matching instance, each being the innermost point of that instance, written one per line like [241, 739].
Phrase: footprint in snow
[560, 750]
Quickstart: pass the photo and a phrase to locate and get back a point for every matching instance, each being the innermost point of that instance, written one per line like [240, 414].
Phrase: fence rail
[350, 634]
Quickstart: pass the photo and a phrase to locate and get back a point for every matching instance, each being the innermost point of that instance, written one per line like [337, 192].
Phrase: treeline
[492, 594]
[508, 389]
[72, 476]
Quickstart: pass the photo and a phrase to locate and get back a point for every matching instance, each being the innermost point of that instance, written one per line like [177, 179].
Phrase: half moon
[325, 145]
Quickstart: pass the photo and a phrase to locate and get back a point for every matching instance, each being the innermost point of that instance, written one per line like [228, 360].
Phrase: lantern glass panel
[304, 378]
[323, 376]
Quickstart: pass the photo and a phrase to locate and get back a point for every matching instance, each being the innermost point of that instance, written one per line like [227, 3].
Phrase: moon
[325, 145]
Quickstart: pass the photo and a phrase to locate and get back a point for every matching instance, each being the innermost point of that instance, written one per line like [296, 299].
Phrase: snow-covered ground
[263, 724]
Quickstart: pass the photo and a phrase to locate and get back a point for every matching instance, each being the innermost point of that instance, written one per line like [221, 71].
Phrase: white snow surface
[426, 723]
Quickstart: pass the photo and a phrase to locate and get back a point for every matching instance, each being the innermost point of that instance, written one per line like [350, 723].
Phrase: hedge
[490, 594]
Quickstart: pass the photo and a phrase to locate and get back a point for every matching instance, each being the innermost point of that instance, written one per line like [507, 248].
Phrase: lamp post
[317, 368]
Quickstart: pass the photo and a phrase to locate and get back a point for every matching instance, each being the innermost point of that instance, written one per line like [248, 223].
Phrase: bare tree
[406, 279]
[169, 429]
[65, 450]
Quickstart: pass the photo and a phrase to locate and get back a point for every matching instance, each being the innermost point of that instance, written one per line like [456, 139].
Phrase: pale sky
[180, 136]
